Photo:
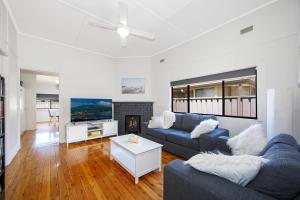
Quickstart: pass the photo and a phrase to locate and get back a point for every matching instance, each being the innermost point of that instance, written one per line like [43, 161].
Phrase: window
[47, 104]
[47, 101]
[180, 98]
[240, 97]
[231, 94]
[206, 98]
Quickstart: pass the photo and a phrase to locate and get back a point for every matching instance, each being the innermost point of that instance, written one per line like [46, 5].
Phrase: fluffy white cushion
[168, 119]
[251, 141]
[238, 169]
[156, 122]
[204, 127]
[164, 121]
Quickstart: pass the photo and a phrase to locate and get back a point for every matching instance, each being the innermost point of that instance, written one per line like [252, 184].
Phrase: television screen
[90, 109]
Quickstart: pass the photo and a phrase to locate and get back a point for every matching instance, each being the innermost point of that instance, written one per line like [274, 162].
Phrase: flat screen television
[90, 109]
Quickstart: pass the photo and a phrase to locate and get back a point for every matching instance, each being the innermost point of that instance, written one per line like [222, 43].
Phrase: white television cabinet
[77, 132]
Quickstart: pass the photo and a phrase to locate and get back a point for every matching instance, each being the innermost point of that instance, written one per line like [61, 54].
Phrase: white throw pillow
[238, 169]
[251, 141]
[165, 121]
[156, 122]
[168, 119]
[205, 126]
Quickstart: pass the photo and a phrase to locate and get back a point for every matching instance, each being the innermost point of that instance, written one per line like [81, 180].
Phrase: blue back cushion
[280, 176]
[191, 120]
[281, 138]
[178, 123]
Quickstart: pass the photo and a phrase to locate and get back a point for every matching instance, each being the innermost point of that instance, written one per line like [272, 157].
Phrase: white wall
[83, 74]
[22, 111]
[299, 45]
[9, 69]
[133, 68]
[279, 111]
[46, 88]
[42, 115]
[29, 83]
[272, 47]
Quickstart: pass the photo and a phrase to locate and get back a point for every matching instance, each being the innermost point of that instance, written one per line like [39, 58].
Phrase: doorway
[39, 104]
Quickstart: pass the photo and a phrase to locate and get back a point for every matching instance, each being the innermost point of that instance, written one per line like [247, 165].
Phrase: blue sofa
[279, 178]
[177, 139]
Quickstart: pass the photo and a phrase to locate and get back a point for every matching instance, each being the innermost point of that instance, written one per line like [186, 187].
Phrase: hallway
[46, 135]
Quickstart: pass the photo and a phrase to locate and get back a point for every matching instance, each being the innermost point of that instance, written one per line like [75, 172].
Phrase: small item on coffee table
[134, 139]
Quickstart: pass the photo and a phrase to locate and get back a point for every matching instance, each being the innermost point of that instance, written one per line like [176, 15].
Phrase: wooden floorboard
[44, 169]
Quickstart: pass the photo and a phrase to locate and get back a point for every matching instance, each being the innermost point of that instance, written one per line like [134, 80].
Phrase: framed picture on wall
[133, 85]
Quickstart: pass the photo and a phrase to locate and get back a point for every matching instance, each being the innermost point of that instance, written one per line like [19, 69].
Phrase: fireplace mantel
[123, 108]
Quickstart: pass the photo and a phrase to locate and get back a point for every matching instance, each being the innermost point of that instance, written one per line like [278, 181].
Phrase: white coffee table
[137, 158]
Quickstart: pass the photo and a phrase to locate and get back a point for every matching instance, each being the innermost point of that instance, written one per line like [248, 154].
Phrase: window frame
[51, 102]
[223, 101]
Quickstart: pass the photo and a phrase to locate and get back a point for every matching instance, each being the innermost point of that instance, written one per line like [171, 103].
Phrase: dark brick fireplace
[132, 115]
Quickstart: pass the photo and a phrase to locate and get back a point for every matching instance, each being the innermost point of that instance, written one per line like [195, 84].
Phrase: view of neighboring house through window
[240, 96]
[206, 98]
[227, 94]
[180, 98]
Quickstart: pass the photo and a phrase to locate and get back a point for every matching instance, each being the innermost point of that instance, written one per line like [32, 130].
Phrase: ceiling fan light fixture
[122, 28]
[123, 31]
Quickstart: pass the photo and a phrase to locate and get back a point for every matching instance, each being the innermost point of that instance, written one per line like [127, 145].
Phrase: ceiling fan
[122, 28]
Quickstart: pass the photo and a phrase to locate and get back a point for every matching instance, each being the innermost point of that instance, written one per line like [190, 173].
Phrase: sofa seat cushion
[280, 176]
[159, 133]
[183, 138]
[184, 182]
[190, 121]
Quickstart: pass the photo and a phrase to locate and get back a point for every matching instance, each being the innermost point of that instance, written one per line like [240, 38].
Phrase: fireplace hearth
[133, 124]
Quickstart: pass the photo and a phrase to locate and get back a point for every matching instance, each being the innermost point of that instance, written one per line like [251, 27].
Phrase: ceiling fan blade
[123, 13]
[102, 25]
[123, 41]
[142, 34]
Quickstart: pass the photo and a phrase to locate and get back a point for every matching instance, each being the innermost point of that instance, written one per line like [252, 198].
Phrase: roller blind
[221, 76]
[47, 96]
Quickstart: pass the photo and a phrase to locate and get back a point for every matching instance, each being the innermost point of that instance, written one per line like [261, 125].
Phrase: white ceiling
[172, 21]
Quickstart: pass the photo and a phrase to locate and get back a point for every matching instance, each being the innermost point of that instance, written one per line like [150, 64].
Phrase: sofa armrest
[218, 132]
[207, 141]
[184, 182]
[221, 144]
[145, 124]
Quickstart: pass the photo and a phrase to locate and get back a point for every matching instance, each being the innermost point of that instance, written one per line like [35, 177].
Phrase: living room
[240, 60]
